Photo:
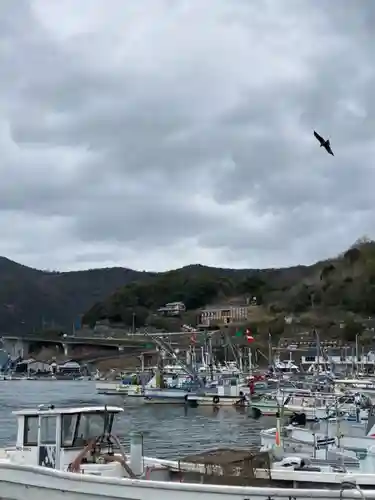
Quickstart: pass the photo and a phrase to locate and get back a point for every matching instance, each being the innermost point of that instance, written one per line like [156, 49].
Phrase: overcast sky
[153, 134]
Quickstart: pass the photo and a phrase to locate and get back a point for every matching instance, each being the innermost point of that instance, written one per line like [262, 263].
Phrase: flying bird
[325, 143]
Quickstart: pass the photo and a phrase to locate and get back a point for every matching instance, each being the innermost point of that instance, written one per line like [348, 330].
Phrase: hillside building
[172, 309]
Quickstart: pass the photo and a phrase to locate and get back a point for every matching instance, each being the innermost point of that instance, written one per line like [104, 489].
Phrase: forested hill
[30, 298]
[332, 288]
[33, 299]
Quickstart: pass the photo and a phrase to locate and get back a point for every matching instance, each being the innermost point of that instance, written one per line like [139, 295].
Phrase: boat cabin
[53, 437]
[229, 386]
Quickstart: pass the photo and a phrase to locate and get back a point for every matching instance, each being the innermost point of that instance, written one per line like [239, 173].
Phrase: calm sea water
[170, 431]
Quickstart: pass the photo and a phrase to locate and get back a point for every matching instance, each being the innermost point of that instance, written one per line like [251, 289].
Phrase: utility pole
[133, 323]
[270, 360]
[356, 352]
[317, 350]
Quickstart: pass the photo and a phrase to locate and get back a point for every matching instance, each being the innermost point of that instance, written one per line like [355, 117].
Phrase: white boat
[305, 472]
[367, 386]
[228, 392]
[286, 367]
[165, 396]
[118, 387]
[176, 387]
[69, 454]
[106, 387]
[315, 405]
[297, 439]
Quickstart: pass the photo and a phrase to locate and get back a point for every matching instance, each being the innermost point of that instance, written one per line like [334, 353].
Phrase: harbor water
[170, 431]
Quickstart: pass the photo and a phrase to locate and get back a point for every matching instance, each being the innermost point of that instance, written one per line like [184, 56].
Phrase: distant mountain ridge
[33, 299]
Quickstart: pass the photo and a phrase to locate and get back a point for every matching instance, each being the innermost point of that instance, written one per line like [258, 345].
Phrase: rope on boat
[350, 485]
[75, 465]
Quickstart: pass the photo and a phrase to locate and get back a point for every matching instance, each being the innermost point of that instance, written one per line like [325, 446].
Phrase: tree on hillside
[302, 300]
[277, 326]
[352, 255]
[352, 328]
[363, 240]
[252, 285]
[326, 272]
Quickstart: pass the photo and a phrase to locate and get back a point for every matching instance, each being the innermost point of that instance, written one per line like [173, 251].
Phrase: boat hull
[159, 400]
[105, 387]
[214, 400]
[18, 482]
[270, 410]
[165, 396]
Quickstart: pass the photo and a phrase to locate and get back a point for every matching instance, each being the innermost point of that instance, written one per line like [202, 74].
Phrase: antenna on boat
[106, 418]
[163, 346]
[46, 407]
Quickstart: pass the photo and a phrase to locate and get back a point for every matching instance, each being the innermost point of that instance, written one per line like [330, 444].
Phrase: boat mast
[353, 361]
[160, 368]
[230, 344]
[241, 355]
[356, 353]
[317, 350]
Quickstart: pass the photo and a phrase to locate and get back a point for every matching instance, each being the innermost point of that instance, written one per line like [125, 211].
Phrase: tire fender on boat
[216, 400]
[256, 412]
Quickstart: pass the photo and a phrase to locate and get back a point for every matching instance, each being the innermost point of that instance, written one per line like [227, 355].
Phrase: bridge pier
[16, 347]
[66, 349]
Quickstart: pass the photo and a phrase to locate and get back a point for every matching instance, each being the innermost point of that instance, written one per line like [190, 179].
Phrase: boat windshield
[79, 428]
[269, 397]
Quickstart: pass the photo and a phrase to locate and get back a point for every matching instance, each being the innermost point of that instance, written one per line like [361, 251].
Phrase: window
[309, 359]
[48, 430]
[30, 437]
[77, 430]
[68, 427]
[91, 425]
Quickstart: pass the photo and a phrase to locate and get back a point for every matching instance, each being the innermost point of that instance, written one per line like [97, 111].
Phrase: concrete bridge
[19, 345]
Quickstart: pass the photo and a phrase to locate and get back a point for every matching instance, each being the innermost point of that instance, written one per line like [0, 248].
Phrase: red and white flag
[249, 336]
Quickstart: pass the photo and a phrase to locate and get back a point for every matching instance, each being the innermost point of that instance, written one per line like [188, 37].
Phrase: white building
[217, 315]
[367, 360]
[172, 309]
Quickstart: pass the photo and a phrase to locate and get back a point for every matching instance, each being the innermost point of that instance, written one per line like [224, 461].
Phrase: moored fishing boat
[229, 391]
[301, 439]
[165, 396]
[73, 453]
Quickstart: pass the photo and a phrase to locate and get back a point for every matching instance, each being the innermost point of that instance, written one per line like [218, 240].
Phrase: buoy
[277, 440]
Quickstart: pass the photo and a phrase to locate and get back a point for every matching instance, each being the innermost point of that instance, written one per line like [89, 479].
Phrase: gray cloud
[157, 134]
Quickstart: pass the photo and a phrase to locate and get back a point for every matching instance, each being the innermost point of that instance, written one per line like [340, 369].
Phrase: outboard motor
[291, 462]
[298, 419]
